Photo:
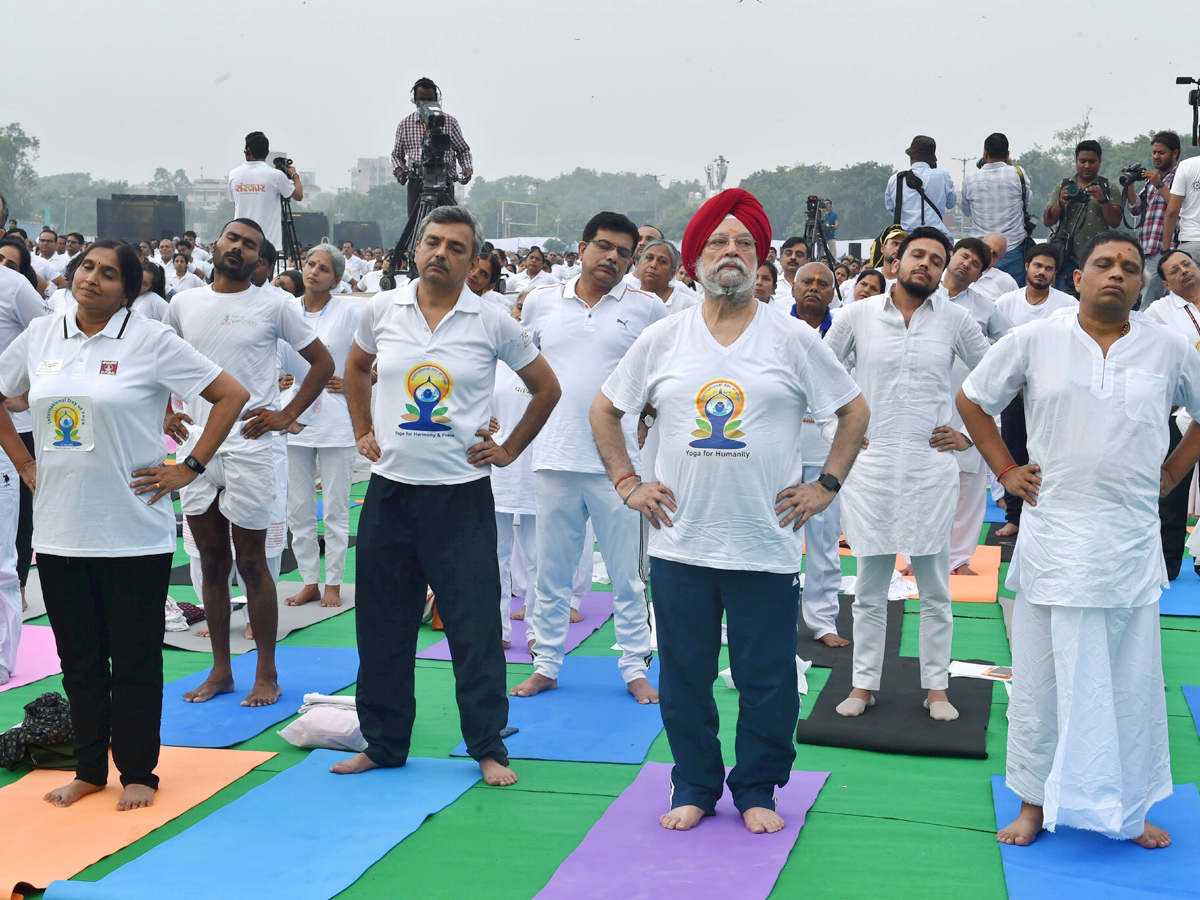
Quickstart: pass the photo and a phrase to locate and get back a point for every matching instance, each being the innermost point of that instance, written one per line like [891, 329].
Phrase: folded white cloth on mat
[326, 728]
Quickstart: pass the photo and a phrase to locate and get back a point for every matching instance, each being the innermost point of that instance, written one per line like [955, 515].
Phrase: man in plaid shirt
[406, 155]
[1152, 198]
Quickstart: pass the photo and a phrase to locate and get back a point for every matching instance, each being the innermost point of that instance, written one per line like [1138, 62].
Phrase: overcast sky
[653, 86]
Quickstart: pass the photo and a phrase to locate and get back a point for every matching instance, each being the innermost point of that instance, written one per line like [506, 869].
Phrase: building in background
[369, 173]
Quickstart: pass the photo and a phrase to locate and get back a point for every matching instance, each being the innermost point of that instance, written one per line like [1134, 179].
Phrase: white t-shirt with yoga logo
[435, 385]
[730, 420]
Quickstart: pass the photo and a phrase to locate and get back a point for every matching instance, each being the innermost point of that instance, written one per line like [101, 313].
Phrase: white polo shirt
[255, 190]
[111, 390]
[583, 344]
[1020, 311]
[435, 385]
[239, 332]
[151, 306]
[329, 422]
[1098, 429]
[20, 304]
[521, 281]
[729, 421]
[994, 282]
[1186, 184]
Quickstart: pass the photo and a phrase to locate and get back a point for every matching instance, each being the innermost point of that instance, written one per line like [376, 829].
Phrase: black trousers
[104, 609]
[1172, 514]
[25, 521]
[1012, 430]
[443, 536]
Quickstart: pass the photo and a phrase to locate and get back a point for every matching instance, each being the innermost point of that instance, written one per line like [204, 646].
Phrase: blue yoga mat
[1183, 599]
[1083, 865]
[993, 513]
[223, 721]
[306, 834]
[590, 718]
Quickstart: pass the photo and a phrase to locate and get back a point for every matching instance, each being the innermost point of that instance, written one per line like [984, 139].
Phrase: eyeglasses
[608, 247]
[719, 243]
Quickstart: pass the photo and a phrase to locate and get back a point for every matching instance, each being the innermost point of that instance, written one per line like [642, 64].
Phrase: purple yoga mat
[628, 856]
[596, 608]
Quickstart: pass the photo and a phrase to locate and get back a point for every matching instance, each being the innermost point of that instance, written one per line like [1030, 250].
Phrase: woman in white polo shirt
[533, 273]
[99, 377]
[327, 442]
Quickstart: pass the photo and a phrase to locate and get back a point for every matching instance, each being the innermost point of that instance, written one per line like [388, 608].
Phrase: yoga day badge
[428, 386]
[69, 424]
[719, 406]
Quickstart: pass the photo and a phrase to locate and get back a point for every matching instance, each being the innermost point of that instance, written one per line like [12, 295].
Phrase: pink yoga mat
[596, 608]
[628, 856]
[37, 657]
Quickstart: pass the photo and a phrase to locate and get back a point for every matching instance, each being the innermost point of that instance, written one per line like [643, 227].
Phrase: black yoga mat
[898, 723]
[1006, 545]
[819, 655]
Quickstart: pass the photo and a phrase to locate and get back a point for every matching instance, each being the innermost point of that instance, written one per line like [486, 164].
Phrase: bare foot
[333, 595]
[642, 691]
[306, 594]
[1009, 529]
[1153, 838]
[760, 820]
[1002, 503]
[65, 796]
[507, 645]
[264, 693]
[248, 634]
[833, 640]
[200, 633]
[534, 684]
[576, 616]
[213, 685]
[136, 796]
[356, 764]
[681, 818]
[907, 570]
[519, 615]
[1024, 828]
[495, 774]
[964, 569]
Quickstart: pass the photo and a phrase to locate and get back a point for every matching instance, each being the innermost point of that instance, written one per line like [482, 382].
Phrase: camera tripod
[434, 193]
[290, 251]
[817, 244]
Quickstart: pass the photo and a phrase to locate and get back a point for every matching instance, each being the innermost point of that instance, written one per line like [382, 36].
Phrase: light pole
[66, 203]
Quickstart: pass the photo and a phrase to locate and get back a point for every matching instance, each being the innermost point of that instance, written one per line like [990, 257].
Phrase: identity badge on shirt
[68, 423]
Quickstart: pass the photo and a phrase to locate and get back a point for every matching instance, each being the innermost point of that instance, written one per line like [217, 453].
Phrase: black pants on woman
[104, 609]
[25, 521]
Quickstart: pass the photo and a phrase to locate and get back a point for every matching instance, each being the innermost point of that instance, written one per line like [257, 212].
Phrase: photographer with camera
[408, 154]
[1082, 207]
[256, 188]
[997, 196]
[1151, 203]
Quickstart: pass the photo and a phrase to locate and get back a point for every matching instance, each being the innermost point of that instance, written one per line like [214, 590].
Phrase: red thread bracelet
[617, 483]
[1006, 471]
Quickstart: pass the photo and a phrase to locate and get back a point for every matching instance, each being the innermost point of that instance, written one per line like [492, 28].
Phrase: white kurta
[1088, 737]
[901, 494]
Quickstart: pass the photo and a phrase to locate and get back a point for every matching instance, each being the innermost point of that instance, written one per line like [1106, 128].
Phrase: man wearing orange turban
[731, 381]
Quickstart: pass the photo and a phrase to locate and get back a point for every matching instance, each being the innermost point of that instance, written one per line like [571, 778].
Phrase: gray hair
[454, 215]
[672, 252]
[335, 257]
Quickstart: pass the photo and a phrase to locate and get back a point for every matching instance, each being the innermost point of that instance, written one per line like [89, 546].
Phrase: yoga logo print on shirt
[69, 424]
[428, 385]
[719, 406]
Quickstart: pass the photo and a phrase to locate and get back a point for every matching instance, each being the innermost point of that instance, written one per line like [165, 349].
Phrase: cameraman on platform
[1082, 207]
[256, 189]
[406, 155]
[1153, 199]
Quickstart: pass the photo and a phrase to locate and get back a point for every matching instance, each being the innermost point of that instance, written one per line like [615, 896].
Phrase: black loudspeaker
[136, 217]
[856, 250]
[311, 227]
[362, 234]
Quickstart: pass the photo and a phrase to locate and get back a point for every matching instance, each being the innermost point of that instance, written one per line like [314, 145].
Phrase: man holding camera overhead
[1082, 207]
[406, 155]
[1151, 203]
[256, 189]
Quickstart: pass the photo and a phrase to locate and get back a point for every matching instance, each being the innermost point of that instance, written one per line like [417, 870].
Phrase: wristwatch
[194, 464]
[970, 443]
[648, 420]
[829, 482]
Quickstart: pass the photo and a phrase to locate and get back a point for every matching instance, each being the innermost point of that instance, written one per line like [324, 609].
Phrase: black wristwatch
[829, 482]
[194, 464]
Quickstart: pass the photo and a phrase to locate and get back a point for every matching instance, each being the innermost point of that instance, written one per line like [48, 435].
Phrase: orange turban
[744, 207]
